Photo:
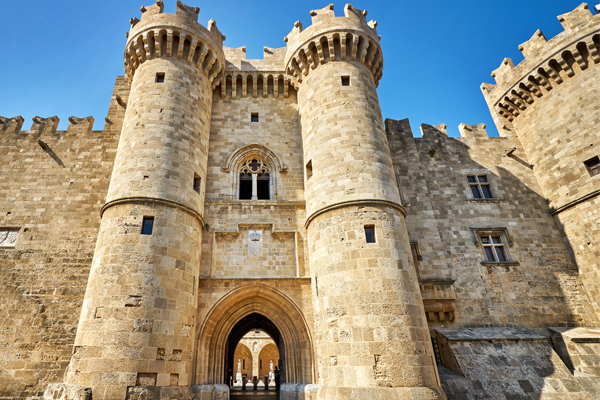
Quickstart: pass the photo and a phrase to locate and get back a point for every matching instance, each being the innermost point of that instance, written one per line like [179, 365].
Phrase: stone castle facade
[226, 195]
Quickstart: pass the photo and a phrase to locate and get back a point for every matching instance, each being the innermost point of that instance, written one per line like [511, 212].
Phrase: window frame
[241, 155]
[370, 234]
[505, 242]
[593, 170]
[264, 167]
[478, 184]
[144, 219]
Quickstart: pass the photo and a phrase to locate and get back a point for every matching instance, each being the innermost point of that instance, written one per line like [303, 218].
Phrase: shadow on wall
[497, 346]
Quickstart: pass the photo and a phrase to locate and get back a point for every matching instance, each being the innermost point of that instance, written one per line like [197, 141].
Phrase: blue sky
[62, 57]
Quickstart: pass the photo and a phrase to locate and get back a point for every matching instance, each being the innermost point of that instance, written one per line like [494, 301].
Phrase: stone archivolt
[243, 301]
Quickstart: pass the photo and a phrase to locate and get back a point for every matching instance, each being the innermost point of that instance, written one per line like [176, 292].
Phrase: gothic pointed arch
[239, 303]
[269, 163]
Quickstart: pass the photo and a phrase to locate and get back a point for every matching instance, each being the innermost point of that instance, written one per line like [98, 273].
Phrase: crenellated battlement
[46, 125]
[546, 65]
[466, 130]
[178, 35]
[331, 38]
[10, 125]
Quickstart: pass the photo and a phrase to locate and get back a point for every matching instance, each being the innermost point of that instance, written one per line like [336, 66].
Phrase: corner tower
[551, 102]
[137, 320]
[371, 332]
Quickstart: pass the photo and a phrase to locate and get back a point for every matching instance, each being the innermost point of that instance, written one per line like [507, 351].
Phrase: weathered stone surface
[275, 189]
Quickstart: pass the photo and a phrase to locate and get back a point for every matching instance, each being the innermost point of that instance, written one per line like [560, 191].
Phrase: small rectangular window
[593, 166]
[160, 77]
[308, 170]
[254, 117]
[480, 187]
[370, 233]
[197, 181]
[147, 224]
[345, 81]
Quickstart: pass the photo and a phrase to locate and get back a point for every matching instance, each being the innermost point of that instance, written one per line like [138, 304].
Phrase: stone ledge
[254, 278]
[262, 203]
[492, 200]
[485, 334]
[500, 263]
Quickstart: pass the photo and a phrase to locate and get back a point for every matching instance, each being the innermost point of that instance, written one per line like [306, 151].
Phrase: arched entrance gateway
[254, 306]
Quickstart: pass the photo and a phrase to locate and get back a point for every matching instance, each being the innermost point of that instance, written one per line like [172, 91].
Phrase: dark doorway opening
[253, 322]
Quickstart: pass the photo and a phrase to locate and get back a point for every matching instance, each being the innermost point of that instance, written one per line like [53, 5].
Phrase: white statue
[271, 376]
[255, 347]
[238, 375]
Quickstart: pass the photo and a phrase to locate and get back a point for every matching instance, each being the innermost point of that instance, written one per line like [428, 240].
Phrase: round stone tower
[371, 333]
[551, 102]
[137, 321]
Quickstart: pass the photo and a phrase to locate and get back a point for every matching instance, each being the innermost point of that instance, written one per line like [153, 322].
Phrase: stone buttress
[551, 102]
[137, 320]
[370, 330]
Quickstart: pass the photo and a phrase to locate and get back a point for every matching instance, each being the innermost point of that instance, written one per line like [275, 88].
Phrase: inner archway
[234, 315]
[242, 332]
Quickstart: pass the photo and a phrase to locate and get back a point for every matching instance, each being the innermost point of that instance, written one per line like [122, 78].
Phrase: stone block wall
[54, 184]
[277, 130]
[539, 286]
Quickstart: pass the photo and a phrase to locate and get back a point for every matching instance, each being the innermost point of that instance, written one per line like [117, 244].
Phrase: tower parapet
[176, 35]
[546, 65]
[332, 38]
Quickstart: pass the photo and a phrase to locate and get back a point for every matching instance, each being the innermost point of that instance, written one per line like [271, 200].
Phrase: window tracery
[254, 180]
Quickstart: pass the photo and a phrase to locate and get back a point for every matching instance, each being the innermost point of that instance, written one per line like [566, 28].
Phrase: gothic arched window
[255, 180]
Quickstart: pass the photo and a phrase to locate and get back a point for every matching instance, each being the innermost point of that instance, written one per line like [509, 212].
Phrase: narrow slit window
[480, 186]
[308, 170]
[345, 81]
[147, 225]
[254, 117]
[245, 186]
[370, 233]
[160, 77]
[197, 181]
[593, 166]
